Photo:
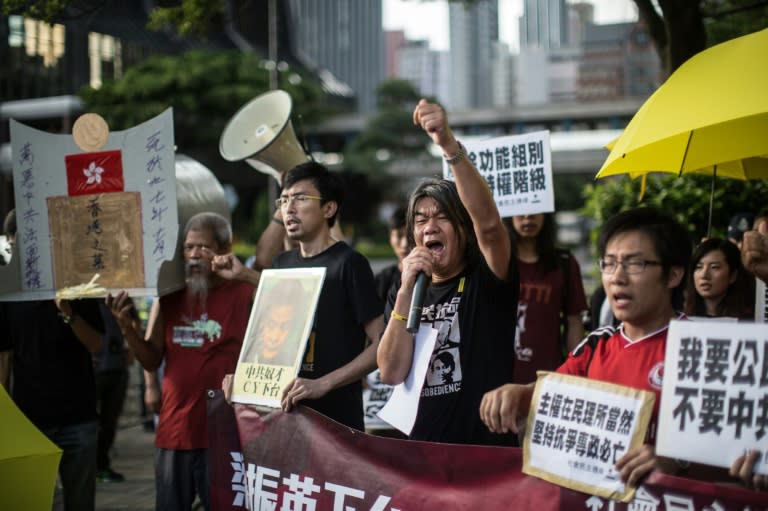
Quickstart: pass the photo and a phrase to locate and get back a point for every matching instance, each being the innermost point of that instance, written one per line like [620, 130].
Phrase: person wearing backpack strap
[551, 301]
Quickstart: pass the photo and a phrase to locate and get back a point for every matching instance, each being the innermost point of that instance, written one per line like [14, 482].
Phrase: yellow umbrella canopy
[28, 461]
[709, 117]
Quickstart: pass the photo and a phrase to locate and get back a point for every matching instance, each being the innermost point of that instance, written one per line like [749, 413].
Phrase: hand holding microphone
[417, 303]
[419, 261]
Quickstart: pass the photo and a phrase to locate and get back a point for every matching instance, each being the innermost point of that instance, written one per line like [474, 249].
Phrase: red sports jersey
[609, 355]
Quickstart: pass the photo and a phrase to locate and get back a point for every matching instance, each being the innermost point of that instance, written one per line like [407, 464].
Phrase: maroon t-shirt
[201, 346]
[537, 337]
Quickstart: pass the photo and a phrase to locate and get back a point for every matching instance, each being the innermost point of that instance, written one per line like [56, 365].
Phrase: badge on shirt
[188, 337]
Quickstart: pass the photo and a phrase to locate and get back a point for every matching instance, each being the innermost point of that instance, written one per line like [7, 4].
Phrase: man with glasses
[643, 258]
[349, 310]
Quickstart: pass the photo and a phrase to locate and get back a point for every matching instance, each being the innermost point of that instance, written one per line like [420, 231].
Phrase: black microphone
[417, 303]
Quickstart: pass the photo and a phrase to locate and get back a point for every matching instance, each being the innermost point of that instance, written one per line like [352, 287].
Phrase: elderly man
[198, 331]
[460, 242]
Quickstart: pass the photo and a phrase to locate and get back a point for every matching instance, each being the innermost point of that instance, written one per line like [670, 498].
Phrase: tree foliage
[687, 197]
[390, 133]
[204, 89]
[682, 28]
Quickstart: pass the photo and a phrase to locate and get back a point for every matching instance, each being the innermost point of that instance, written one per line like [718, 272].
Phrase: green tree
[682, 28]
[687, 197]
[390, 133]
[204, 88]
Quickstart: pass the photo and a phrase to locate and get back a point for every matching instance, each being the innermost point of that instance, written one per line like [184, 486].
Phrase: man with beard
[198, 330]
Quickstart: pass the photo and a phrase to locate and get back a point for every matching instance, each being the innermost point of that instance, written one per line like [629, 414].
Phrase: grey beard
[197, 284]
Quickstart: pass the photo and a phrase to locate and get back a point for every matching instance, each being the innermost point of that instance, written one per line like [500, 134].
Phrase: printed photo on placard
[276, 337]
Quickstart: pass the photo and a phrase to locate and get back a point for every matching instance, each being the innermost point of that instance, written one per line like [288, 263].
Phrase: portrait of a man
[278, 327]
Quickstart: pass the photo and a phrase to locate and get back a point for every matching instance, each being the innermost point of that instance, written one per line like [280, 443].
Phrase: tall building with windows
[473, 31]
[619, 62]
[345, 37]
[544, 24]
[424, 68]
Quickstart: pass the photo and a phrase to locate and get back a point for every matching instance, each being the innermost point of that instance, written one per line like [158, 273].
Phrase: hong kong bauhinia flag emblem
[89, 173]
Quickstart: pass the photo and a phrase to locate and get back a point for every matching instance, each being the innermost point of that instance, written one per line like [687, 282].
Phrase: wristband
[278, 221]
[453, 159]
[399, 317]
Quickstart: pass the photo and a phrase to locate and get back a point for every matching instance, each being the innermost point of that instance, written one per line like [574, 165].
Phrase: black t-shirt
[347, 302]
[53, 380]
[470, 360]
[385, 279]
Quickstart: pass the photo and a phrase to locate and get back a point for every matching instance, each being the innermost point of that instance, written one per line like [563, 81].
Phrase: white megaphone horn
[261, 133]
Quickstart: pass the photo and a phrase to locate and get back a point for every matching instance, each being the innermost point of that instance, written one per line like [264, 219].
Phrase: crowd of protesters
[482, 277]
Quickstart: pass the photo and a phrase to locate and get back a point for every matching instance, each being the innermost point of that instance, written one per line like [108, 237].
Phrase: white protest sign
[518, 170]
[715, 392]
[111, 212]
[579, 428]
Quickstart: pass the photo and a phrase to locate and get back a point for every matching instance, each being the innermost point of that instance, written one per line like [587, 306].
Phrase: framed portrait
[276, 338]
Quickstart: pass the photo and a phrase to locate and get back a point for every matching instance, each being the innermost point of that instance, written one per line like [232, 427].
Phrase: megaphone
[261, 133]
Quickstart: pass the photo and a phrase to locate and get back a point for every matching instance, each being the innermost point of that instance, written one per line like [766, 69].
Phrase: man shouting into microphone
[461, 244]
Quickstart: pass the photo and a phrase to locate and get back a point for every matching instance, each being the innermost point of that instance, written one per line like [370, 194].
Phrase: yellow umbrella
[28, 461]
[709, 117]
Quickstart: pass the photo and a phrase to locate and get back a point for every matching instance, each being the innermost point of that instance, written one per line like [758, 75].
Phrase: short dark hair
[670, 239]
[328, 184]
[446, 195]
[9, 224]
[398, 218]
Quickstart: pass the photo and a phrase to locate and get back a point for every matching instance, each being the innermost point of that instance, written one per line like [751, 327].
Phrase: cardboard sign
[518, 170]
[97, 234]
[276, 337]
[579, 428]
[715, 392]
[51, 175]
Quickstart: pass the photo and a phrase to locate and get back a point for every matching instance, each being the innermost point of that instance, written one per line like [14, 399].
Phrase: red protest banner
[302, 460]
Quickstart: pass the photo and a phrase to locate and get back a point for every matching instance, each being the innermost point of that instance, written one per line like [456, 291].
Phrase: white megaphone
[261, 134]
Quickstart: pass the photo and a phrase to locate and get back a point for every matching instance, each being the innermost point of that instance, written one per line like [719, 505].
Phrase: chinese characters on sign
[715, 391]
[256, 489]
[518, 171]
[28, 218]
[156, 170]
[111, 212]
[97, 234]
[278, 329]
[578, 429]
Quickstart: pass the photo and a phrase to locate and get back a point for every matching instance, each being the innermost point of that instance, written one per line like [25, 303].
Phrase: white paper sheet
[400, 410]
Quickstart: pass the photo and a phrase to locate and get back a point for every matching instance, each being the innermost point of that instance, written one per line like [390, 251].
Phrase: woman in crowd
[551, 297]
[718, 285]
